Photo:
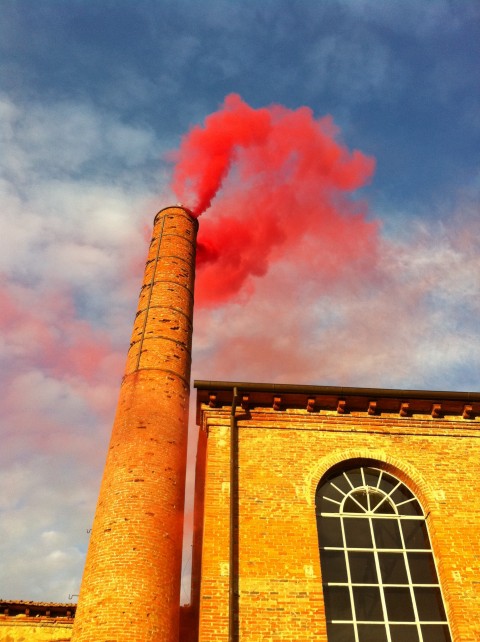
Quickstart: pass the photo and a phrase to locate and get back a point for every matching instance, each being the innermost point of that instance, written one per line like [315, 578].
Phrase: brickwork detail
[131, 585]
[31, 630]
[282, 457]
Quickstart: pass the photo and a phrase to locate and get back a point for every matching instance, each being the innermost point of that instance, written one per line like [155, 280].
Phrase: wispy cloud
[409, 322]
[76, 200]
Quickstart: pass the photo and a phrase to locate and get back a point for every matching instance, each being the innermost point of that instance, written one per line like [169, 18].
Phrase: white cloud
[76, 198]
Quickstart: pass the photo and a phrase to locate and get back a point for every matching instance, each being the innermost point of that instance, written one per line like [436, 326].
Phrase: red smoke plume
[278, 186]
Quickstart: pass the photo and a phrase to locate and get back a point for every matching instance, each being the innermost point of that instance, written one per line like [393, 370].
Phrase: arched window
[379, 578]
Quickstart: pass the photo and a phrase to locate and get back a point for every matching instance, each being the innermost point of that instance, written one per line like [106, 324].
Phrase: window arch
[379, 578]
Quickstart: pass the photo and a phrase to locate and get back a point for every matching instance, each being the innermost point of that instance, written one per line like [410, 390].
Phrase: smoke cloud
[275, 185]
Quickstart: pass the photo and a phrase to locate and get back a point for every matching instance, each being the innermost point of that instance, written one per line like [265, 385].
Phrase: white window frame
[372, 515]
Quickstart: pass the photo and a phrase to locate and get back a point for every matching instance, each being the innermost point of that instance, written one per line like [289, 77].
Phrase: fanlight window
[379, 578]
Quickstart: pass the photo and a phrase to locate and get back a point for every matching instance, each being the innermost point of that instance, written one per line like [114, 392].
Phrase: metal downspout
[233, 498]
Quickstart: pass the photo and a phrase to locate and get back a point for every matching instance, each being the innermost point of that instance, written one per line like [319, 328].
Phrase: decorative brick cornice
[343, 400]
[50, 610]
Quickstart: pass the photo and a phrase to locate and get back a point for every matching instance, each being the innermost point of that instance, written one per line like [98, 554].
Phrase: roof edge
[248, 386]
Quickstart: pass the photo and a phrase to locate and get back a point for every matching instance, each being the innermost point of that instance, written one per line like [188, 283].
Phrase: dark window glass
[383, 506]
[334, 568]
[337, 603]
[415, 534]
[422, 568]
[355, 477]
[323, 503]
[429, 604]
[362, 568]
[371, 633]
[435, 633]
[340, 632]
[412, 508]
[404, 632]
[387, 533]
[408, 504]
[367, 603]
[375, 498]
[388, 483]
[392, 568]
[400, 494]
[399, 604]
[341, 483]
[356, 503]
[357, 532]
[330, 531]
[371, 477]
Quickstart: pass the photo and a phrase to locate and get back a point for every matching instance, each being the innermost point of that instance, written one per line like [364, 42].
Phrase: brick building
[355, 514]
[321, 513]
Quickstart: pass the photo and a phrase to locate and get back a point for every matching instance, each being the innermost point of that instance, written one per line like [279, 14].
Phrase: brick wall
[282, 456]
[35, 621]
[31, 630]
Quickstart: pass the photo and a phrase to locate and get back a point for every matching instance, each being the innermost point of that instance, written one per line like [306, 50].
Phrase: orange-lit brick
[282, 456]
[131, 586]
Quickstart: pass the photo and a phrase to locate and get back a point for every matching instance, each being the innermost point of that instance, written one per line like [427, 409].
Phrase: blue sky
[93, 95]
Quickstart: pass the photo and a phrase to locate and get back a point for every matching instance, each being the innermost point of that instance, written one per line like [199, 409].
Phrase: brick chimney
[130, 590]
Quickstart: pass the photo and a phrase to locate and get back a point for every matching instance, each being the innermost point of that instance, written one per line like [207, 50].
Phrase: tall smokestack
[131, 584]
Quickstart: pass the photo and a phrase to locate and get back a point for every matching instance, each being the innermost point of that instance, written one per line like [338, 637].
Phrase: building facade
[356, 514]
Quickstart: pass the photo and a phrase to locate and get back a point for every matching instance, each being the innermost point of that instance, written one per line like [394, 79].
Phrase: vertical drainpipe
[232, 598]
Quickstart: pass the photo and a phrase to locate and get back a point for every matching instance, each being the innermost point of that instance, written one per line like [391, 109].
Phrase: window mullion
[410, 583]
[380, 583]
[349, 580]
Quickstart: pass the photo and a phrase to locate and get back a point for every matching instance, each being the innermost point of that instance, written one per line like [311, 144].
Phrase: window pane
[376, 497]
[334, 568]
[436, 633]
[399, 604]
[415, 534]
[410, 508]
[392, 568]
[362, 568]
[371, 633]
[337, 603]
[403, 632]
[322, 502]
[356, 503]
[340, 632]
[383, 505]
[401, 494]
[330, 531]
[342, 483]
[429, 604]
[388, 483]
[371, 476]
[367, 603]
[357, 532]
[355, 476]
[387, 534]
[422, 568]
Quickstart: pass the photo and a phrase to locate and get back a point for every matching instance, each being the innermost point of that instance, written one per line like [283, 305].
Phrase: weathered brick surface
[21, 629]
[131, 585]
[282, 457]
